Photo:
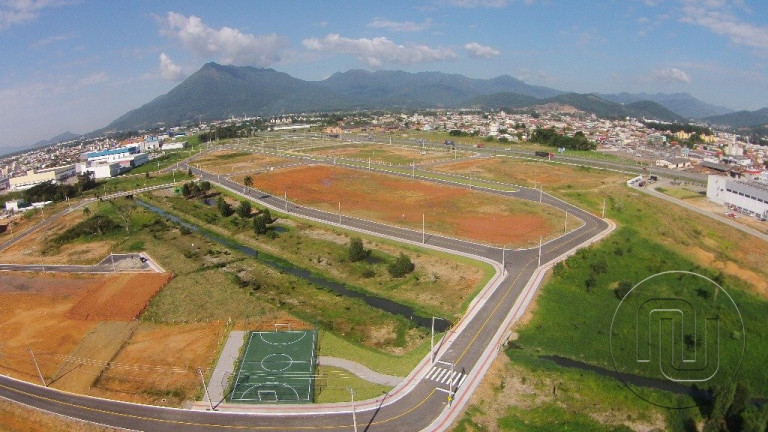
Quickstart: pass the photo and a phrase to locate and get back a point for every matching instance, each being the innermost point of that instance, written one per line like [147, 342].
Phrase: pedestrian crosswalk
[453, 379]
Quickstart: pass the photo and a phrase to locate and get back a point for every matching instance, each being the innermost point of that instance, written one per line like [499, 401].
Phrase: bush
[401, 267]
[356, 250]
[224, 208]
[622, 290]
[244, 210]
[259, 226]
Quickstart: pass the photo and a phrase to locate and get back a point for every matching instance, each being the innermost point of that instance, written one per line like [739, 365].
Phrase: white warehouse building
[747, 197]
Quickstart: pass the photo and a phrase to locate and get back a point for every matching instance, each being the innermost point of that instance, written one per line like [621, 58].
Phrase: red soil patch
[50, 313]
[122, 299]
[449, 210]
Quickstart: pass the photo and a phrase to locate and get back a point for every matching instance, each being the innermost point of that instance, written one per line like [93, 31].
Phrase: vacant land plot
[36, 247]
[230, 161]
[122, 299]
[448, 210]
[158, 364]
[378, 153]
[55, 316]
[84, 364]
[532, 173]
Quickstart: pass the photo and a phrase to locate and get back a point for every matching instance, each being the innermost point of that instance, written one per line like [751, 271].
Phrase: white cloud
[14, 12]
[481, 51]
[719, 16]
[228, 45]
[667, 76]
[52, 39]
[405, 26]
[169, 70]
[377, 51]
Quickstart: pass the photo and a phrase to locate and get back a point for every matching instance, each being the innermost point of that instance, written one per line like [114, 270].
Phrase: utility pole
[285, 198]
[432, 341]
[566, 222]
[603, 216]
[423, 230]
[504, 259]
[112, 258]
[205, 388]
[540, 238]
[34, 360]
[339, 212]
[354, 413]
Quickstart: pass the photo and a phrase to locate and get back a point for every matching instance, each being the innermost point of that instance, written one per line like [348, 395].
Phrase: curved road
[414, 405]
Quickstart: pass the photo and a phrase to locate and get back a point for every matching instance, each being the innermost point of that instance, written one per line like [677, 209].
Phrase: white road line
[431, 373]
[439, 377]
[461, 381]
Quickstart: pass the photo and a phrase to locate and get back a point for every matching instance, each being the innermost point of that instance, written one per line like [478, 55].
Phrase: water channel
[383, 304]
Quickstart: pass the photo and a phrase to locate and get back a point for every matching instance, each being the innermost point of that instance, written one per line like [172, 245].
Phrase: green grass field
[582, 333]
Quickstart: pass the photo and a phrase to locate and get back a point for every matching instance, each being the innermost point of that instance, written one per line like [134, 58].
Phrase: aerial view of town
[437, 215]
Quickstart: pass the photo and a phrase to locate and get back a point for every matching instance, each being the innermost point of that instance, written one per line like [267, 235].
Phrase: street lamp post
[540, 239]
[423, 229]
[504, 258]
[354, 413]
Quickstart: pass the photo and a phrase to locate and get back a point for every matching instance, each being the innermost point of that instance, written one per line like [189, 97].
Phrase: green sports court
[276, 367]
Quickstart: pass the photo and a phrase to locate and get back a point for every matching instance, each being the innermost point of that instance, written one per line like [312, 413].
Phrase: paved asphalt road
[411, 408]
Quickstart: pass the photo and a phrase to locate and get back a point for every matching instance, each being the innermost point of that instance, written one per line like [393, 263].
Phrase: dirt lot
[122, 299]
[230, 161]
[449, 210]
[48, 314]
[530, 173]
[30, 251]
[385, 154]
[158, 364]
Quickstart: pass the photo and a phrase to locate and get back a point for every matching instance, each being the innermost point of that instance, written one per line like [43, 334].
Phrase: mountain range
[219, 91]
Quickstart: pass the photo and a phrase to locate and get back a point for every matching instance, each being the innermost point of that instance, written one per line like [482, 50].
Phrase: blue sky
[77, 64]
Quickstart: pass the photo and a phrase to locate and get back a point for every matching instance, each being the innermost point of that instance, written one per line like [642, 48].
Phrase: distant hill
[590, 103]
[503, 100]
[217, 91]
[66, 136]
[741, 119]
[682, 104]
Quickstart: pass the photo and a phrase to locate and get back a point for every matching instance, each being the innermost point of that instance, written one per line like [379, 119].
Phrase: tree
[185, 190]
[267, 216]
[86, 212]
[247, 181]
[205, 186]
[224, 208]
[244, 209]
[401, 267]
[356, 250]
[259, 226]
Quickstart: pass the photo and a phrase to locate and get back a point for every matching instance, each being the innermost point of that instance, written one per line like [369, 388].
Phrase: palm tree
[247, 182]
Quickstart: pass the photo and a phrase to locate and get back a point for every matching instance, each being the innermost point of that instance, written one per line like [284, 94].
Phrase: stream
[317, 280]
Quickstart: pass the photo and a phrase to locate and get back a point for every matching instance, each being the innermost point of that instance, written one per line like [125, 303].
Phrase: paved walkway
[225, 367]
[360, 370]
